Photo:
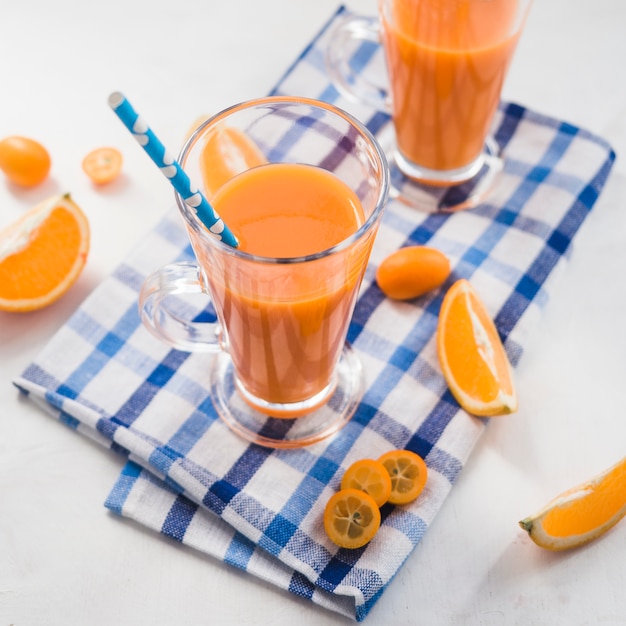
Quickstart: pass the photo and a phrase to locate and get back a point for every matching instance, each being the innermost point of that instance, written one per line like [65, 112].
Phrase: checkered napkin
[189, 477]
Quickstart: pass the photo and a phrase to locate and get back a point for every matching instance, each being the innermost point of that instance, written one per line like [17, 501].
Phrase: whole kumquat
[24, 161]
[412, 271]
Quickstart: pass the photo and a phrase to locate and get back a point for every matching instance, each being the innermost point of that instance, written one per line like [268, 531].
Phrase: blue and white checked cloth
[188, 477]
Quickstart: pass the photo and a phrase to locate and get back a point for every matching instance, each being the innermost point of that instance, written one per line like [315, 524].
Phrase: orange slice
[408, 474]
[227, 151]
[42, 254]
[351, 518]
[582, 513]
[369, 476]
[472, 356]
[103, 165]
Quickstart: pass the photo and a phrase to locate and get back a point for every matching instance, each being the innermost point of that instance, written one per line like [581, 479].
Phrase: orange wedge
[42, 254]
[227, 151]
[582, 513]
[472, 356]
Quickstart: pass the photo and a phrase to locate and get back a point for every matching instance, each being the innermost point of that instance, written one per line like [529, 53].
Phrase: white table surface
[65, 560]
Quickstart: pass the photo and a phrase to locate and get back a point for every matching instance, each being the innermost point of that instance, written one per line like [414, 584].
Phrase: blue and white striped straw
[170, 168]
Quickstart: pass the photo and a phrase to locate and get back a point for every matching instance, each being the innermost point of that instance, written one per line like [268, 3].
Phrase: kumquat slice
[351, 518]
[408, 473]
[369, 476]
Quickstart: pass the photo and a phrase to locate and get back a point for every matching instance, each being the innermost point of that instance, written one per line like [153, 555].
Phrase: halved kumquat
[351, 518]
[581, 513]
[472, 357]
[103, 165]
[408, 473]
[369, 476]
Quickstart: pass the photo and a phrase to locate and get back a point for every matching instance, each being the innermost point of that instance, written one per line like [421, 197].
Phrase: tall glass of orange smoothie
[302, 185]
[446, 62]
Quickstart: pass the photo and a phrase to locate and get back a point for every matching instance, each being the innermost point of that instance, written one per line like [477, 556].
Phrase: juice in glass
[447, 61]
[286, 325]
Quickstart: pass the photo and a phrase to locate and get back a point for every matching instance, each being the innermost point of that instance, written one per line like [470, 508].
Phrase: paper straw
[170, 168]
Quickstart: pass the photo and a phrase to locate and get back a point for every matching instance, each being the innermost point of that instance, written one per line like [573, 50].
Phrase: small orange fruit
[412, 271]
[369, 476]
[103, 165]
[227, 151]
[351, 518]
[408, 473]
[25, 161]
[472, 356]
[582, 513]
[42, 254]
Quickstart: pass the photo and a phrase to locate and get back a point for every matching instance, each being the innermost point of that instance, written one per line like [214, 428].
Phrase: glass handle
[176, 279]
[343, 42]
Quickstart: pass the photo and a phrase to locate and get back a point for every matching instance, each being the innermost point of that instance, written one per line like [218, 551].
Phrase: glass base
[330, 410]
[431, 191]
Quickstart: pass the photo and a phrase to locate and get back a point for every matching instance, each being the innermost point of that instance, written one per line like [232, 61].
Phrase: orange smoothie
[447, 60]
[286, 321]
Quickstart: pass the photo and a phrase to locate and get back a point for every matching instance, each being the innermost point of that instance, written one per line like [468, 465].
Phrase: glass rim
[192, 219]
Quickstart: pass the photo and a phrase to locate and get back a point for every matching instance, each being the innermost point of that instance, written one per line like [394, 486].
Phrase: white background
[64, 560]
